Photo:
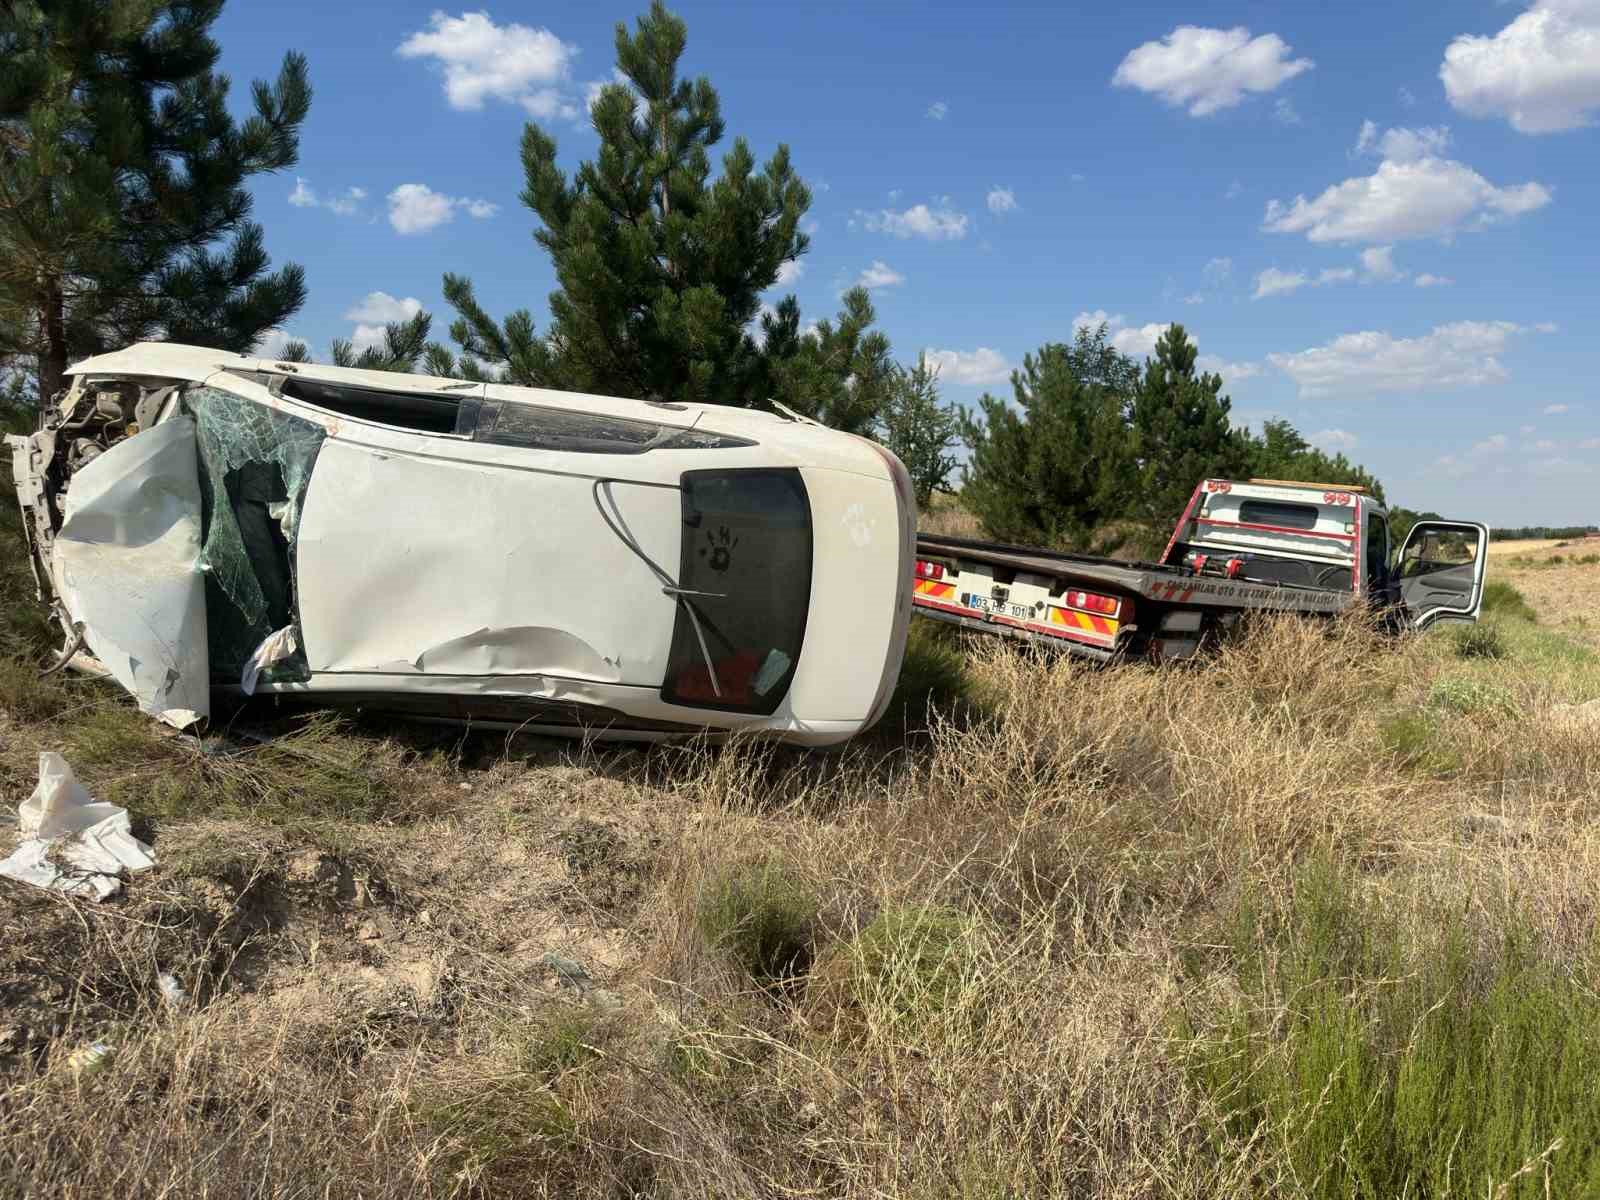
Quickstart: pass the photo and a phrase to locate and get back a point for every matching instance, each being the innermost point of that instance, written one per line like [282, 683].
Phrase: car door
[1438, 575]
[125, 566]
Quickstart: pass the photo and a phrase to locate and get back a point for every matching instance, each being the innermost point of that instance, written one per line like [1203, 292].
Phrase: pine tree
[1279, 452]
[661, 266]
[1181, 434]
[918, 429]
[404, 344]
[1055, 467]
[120, 172]
[838, 372]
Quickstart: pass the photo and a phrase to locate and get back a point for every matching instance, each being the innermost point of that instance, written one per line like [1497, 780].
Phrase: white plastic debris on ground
[72, 842]
[274, 648]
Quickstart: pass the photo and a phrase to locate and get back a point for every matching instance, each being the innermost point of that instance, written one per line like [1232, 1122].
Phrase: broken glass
[255, 465]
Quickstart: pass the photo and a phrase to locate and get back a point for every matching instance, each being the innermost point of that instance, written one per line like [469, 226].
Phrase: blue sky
[1377, 220]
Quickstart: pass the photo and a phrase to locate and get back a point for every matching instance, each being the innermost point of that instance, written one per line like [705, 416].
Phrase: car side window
[512, 423]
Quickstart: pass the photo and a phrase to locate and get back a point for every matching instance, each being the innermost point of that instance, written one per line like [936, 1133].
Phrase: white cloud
[1555, 410]
[1232, 372]
[1492, 444]
[789, 273]
[1541, 72]
[1413, 194]
[1139, 341]
[379, 307]
[880, 275]
[372, 312]
[982, 367]
[1545, 445]
[1284, 113]
[938, 110]
[417, 208]
[1194, 298]
[1218, 269]
[484, 61]
[1208, 70]
[344, 204]
[936, 224]
[1378, 264]
[1002, 200]
[1462, 354]
[1273, 282]
[1426, 280]
[272, 343]
[1527, 429]
[1334, 440]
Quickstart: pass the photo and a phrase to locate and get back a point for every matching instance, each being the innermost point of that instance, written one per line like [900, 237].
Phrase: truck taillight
[929, 570]
[1092, 602]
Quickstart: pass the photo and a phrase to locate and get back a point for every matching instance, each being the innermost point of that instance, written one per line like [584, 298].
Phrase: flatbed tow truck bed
[1256, 545]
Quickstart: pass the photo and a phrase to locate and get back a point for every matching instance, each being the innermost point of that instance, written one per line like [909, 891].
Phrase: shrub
[763, 916]
[1370, 1065]
[1481, 640]
[1503, 600]
[1413, 738]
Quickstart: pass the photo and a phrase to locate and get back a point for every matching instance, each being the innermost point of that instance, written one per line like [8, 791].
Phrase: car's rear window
[1275, 512]
[746, 542]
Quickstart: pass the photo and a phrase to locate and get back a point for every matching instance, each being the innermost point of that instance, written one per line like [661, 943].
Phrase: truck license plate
[999, 607]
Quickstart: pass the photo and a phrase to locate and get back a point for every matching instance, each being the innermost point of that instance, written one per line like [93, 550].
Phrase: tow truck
[1241, 546]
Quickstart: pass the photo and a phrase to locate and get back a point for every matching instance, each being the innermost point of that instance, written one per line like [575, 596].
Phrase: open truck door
[1439, 573]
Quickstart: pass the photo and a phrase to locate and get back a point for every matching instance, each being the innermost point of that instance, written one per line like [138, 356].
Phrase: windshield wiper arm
[669, 586]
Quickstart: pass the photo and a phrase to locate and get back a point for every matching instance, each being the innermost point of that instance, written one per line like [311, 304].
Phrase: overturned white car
[557, 562]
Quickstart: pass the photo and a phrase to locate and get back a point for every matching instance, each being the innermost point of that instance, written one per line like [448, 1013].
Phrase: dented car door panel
[413, 564]
[125, 565]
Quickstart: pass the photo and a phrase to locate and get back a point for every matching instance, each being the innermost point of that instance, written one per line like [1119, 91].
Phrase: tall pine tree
[1180, 429]
[1055, 467]
[121, 171]
[661, 265]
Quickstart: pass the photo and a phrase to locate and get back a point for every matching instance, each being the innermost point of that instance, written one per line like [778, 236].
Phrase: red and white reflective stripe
[1357, 569]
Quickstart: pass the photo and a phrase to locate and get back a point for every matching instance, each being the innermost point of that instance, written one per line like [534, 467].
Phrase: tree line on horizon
[124, 217]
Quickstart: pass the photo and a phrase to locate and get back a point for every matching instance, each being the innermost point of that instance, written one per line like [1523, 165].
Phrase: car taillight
[1091, 602]
[929, 570]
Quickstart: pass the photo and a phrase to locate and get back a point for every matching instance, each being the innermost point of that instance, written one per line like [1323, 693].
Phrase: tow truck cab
[1332, 537]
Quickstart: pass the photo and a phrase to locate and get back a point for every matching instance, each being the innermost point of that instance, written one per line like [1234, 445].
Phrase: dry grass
[975, 956]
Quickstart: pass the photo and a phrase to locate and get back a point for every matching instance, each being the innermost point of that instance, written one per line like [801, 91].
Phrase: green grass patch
[1471, 697]
[763, 916]
[1416, 741]
[913, 964]
[1502, 600]
[1367, 1065]
[933, 680]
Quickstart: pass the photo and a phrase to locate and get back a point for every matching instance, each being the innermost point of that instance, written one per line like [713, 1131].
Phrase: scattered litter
[274, 648]
[172, 992]
[87, 1060]
[72, 842]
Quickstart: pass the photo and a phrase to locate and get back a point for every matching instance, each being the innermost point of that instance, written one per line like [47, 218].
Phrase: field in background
[1313, 918]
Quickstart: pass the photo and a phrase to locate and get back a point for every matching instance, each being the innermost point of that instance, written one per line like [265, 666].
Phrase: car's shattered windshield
[255, 463]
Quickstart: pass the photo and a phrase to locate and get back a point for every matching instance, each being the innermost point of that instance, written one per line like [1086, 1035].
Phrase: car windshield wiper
[669, 586]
